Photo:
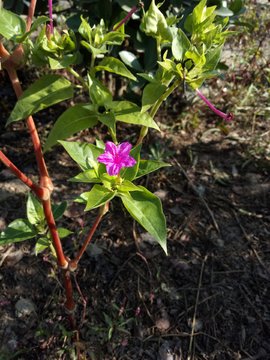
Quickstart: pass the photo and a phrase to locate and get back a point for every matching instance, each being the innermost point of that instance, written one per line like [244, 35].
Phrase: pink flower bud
[124, 342]
[138, 311]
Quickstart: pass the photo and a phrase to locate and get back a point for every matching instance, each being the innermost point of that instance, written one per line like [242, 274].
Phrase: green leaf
[85, 29]
[130, 59]
[100, 144]
[130, 113]
[82, 153]
[92, 49]
[76, 118]
[98, 196]
[98, 92]
[11, 25]
[88, 176]
[154, 24]
[82, 199]
[128, 186]
[151, 93]
[45, 92]
[146, 208]
[41, 20]
[108, 119]
[34, 209]
[148, 166]
[68, 59]
[59, 209]
[18, 230]
[42, 244]
[211, 60]
[129, 173]
[110, 182]
[62, 232]
[180, 45]
[115, 66]
[113, 38]
[149, 77]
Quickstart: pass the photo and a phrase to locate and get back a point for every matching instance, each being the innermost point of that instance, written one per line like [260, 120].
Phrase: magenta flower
[220, 113]
[116, 157]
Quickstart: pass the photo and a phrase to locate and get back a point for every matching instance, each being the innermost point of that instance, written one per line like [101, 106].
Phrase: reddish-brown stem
[41, 193]
[73, 263]
[30, 14]
[45, 180]
[61, 260]
[132, 11]
[70, 305]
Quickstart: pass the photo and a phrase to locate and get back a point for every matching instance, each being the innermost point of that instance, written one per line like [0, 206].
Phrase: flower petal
[106, 158]
[111, 148]
[128, 161]
[124, 149]
[113, 169]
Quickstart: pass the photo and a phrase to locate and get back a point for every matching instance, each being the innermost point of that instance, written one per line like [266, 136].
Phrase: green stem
[159, 49]
[164, 97]
[156, 107]
[77, 76]
[113, 135]
[92, 60]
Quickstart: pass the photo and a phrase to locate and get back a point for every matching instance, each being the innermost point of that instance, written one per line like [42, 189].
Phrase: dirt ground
[210, 294]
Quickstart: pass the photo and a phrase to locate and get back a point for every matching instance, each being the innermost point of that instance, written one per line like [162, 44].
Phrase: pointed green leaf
[18, 230]
[76, 118]
[130, 59]
[148, 166]
[88, 176]
[180, 45]
[115, 66]
[108, 119]
[42, 244]
[92, 49]
[98, 196]
[100, 144]
[211, 60]
[98, 92]
[45, 92]
[68, 59]
[11, 25]
[131, 113]
[151, 93]
[41, 20]
[59, 209]
[146, 208]
[82, 153]
[34, 209]
[128, 186]
[149, 77]
[82, 199]
[62, 232]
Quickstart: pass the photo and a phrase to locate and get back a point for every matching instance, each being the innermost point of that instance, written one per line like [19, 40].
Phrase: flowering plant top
[116, 157]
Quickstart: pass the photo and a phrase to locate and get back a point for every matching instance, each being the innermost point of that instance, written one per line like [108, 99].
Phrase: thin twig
[196, 306]
[200, 197]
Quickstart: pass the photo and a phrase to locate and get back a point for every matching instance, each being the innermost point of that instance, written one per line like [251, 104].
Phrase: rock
[162, 194]
[149, 238]
[25, 306]
[93, 250]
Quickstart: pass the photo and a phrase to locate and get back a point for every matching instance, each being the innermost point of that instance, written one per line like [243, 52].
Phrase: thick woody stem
[61, 260]
[45, 180]
[30, 14]
[70, 305]
[41, 193]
